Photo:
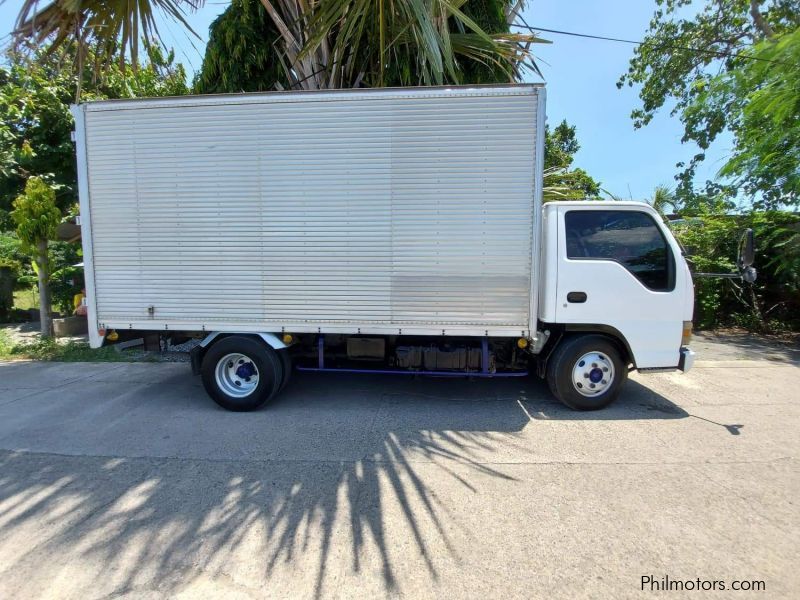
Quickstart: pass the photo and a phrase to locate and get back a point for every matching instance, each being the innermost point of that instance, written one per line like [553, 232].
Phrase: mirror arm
[748, 275]
[722, 275]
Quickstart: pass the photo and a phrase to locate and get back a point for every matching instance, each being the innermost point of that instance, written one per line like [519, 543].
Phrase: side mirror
[747, 253]
[744, 262]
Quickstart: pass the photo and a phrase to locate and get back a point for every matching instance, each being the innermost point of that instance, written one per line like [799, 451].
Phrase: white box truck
[390, 230]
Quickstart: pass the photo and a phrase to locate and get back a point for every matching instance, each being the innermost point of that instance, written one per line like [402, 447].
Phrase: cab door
[620, 268]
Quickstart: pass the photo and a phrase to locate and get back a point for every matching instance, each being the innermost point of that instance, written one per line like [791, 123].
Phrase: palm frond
[664, 200]
[414, 34]
[116, 27]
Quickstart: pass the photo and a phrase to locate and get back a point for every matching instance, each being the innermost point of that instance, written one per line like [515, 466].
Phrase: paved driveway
[125, 479]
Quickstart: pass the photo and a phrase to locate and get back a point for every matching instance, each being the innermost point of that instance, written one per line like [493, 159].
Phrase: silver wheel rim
[236, 375]
[593, 374]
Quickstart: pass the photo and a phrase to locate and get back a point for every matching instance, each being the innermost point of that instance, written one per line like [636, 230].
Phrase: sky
[580, 74]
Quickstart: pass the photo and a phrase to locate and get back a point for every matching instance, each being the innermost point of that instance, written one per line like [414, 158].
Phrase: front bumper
[687, 359]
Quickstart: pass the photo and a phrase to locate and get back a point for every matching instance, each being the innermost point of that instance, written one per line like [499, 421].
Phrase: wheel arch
[614, 334]
[270, 339]
[559, 333]
[196, 354]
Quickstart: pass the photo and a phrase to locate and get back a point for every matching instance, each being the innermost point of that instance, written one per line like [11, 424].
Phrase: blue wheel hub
[245, 371]
[593, 374]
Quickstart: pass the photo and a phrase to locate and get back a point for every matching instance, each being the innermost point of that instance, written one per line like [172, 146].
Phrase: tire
[286, 367]
[578, 372]
[241, 373]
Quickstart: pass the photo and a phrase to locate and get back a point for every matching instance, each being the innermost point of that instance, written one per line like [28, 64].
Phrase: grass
[25, 299]
[51, 349]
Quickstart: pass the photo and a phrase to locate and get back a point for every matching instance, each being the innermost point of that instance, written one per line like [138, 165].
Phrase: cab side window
[630, 238]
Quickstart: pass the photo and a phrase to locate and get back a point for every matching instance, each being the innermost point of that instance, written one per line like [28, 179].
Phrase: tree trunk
[756, 309]
[758, 19]
[316, 71]
[44, 288]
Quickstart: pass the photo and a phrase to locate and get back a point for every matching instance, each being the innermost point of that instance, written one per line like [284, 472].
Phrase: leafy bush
[773, 302]
[50, 349]
[66, 279]
[7, 280]
[12, 256]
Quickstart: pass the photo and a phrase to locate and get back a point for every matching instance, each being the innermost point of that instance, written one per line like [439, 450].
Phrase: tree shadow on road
[371, 465]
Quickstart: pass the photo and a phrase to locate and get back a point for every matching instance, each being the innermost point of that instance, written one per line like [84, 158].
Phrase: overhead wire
[716, 53]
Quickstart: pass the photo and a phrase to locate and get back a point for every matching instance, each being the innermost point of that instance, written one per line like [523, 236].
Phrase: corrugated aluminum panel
[337, 211]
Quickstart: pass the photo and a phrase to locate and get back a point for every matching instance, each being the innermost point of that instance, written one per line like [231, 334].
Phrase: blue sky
[581, 76]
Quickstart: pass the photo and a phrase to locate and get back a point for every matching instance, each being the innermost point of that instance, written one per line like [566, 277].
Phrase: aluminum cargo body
[407, 211]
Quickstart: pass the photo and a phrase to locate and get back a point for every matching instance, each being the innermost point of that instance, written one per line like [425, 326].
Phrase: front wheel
[586, 372]
[241, 373]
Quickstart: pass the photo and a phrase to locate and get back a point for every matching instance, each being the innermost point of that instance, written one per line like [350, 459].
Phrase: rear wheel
[241, 373]
[586, 372]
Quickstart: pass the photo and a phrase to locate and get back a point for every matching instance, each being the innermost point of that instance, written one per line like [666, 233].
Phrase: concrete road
[126, 480]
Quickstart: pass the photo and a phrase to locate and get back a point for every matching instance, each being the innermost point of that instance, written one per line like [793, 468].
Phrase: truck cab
[611, 271]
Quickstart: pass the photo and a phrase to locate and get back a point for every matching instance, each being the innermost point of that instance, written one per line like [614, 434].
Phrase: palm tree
[555, 187]
[323, 43]
[332, 43]
[664, 199]
[114, 29]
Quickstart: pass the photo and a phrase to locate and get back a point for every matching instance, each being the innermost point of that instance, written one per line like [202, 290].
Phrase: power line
[659, 46]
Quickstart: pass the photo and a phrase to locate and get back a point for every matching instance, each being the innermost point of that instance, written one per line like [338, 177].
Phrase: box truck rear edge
[392, 231]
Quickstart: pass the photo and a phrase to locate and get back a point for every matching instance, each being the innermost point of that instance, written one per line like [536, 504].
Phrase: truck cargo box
[407, 211]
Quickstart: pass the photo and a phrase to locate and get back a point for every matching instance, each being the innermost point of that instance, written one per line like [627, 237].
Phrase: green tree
[764, 100]
[37, 216]
[334, 44]
[244, 52]
[772, 303]
[322, 43]
[561, 181]
[36, 91]
[495, 18]
[701, 61]
[35, 126]
[241, 54]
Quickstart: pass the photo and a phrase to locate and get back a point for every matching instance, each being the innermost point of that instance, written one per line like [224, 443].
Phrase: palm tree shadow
[323, 471]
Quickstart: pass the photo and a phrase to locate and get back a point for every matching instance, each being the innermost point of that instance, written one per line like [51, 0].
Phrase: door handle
[577, 297]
